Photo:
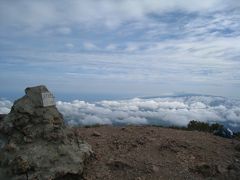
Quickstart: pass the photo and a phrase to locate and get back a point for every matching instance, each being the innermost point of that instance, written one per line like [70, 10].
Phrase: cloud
[5, 106]
[141, 73]
[161, 111]
[148, 46]
[44, 13]
[132, 47]
[89, 46]
[64, 30]
[168, 111]
[69, 45]
[111, 47]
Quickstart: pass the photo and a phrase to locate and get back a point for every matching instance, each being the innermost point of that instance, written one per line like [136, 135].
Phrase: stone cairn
[36, 144]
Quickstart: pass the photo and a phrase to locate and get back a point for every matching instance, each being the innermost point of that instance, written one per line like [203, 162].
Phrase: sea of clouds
[156, 111]
[5, 106]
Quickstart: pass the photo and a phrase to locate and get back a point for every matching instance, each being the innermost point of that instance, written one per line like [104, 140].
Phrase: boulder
[36, 143]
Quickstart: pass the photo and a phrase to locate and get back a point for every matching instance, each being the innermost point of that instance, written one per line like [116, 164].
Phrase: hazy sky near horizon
[137, 47]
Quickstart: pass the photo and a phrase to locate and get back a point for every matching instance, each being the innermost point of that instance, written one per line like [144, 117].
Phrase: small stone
[20, 165]
[155, 168]
[140, 141]
[95, 133]
[220, 169]
[123, 128]
[206, 170]
[118, 165]
[192, 157]
[10, 147]
[27, 130]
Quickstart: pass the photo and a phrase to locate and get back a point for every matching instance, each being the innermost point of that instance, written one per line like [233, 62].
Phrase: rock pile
[36, 144]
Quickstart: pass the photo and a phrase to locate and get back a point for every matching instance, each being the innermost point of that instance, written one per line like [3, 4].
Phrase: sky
[124, 48]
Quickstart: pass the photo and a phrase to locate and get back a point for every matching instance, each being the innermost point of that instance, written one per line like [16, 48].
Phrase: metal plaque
[48, 99]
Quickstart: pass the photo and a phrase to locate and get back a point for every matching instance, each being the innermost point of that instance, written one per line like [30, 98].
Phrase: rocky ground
[159, 153]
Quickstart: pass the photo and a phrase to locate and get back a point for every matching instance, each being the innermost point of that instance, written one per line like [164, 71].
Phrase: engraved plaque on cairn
[48, 99]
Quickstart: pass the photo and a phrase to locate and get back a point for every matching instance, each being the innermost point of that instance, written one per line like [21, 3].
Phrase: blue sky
[121, 48]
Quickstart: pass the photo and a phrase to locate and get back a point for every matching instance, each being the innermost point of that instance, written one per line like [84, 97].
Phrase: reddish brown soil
[159, 153]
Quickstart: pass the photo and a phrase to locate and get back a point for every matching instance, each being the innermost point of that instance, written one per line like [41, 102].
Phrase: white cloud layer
[159, 111]
[5, 106]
